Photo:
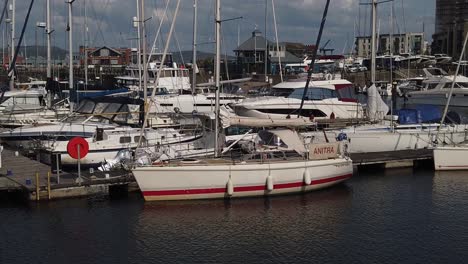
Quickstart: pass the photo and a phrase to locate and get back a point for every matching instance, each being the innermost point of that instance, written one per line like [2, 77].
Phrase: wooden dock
[20, 173]
[392, 159]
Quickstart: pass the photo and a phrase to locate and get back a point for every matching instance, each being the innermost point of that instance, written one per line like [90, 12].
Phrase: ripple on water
[376, 217]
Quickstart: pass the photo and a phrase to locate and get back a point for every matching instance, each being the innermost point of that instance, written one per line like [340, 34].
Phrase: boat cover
[285, 138]
[419, 114]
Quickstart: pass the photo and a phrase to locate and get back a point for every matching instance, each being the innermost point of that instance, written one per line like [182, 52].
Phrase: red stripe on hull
[243, 188]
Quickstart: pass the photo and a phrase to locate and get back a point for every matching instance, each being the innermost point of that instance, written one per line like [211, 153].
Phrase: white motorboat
[188, 103]
[26, 107]
[324, 100]
[280, 165]
[442, 58]
[436, 88]
[22, 101]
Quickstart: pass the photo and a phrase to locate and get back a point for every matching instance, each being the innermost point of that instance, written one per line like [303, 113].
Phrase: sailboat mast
[48, 32]
[373, 40]
[277, 40]
[13, 22]
[138, 21]
[70, 50]
[217, 73]
[145, 70]
[266, 42]
[194, 47]
[86, 43]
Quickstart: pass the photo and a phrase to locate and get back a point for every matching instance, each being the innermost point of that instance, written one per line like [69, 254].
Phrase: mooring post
[58, 167]
[48, 184]
[37, 186]
[79, 165]
[1, 153]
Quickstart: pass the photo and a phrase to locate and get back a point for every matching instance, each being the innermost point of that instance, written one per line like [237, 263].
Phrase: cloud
[110, 21]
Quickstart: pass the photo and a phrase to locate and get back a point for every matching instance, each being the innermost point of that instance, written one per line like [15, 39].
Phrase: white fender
[307, 179]
[269, 183]
[230, 187]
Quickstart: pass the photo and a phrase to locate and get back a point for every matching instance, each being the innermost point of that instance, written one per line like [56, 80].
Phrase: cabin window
[137, 139]
[314, 93]
[125, 140]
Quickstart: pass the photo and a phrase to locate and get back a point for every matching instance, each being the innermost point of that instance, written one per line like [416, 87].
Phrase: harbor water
[393, 216]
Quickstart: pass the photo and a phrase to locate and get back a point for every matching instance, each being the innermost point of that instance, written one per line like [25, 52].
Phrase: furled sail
[377, 109]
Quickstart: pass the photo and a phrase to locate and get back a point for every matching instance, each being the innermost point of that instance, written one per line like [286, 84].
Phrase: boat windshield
[101, 111]
[23, 100]
[457, 85]
[314, 93]
[436, 71]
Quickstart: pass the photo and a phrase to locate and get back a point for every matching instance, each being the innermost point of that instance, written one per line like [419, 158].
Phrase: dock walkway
[401, 158]
[18, 172]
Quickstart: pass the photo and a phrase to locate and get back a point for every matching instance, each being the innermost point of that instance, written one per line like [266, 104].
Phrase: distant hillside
[57, 53]
[201, 55]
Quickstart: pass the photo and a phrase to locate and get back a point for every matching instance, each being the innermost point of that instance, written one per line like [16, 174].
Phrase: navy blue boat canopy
[419, 114]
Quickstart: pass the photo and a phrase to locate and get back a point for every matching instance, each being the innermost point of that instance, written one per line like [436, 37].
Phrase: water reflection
[216, 228]
[398, 215]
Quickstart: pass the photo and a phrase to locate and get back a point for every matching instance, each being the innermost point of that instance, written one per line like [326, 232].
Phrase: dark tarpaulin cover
[419, 114]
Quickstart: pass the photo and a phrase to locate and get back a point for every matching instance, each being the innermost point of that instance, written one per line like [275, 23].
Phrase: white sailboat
[452, 156]
[280, 165]
[106, 124]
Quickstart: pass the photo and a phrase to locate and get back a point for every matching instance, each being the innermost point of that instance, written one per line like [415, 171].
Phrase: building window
[104, 53]
[114, 62]
[95, 62]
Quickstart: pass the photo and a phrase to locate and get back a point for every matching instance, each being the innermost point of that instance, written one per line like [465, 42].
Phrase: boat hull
[199, 181]
[451, 158]
[439, 97]
[374, 140]
[281, 108]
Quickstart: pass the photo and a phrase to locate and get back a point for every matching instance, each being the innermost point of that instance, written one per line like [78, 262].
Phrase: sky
[110, 21]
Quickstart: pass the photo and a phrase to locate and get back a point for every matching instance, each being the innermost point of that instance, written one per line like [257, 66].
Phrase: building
[451, 26]
[20, 60]
[407, 43]
[251, 54]
[106, 56]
